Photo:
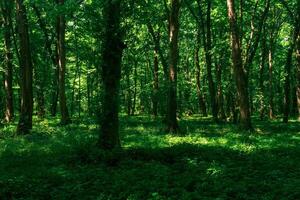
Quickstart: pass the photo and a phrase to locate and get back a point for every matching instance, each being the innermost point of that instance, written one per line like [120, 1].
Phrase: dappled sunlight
[207, 160]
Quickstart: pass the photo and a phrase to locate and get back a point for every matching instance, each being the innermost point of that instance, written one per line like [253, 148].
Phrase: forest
[150, 99]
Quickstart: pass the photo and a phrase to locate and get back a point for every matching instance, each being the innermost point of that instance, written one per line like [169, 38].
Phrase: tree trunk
[201, 98]
[6, 8]
[112, 51]
[298, 58]
[208, 58]
[262, 76]
[239, 73]
[25, 121]
[155, 84]
[271, 93]
[61, 52]
[135, 89]
[220, 98]
[172, 124]
[288, 69]
[53, 57]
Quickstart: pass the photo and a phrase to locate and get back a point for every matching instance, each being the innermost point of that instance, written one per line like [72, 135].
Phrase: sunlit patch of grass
[209, 161]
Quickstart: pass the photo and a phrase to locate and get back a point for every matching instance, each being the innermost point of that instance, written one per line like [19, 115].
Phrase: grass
[210, 162]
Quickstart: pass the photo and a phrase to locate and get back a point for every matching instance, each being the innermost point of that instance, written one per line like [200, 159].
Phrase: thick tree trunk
[25, 121]
[172, 124]
[112, 50]
[239, 73]
[288, 69]
[6, 8]
[155, 84]
[61, 52]
[287, 85]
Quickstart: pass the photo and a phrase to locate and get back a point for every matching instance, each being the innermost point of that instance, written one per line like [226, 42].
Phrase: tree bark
[201, 98]
[25, 121]
[6, 8]
[155, 85]
[112, 51]
[288, 69]
[61, 52]
[172, 124]
[239, 73]
[271, 92]
[298, 57]
[262, 76]
[208, 58]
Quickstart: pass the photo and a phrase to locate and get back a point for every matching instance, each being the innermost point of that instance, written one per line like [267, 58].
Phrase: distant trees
[6, 9]
[80, 45]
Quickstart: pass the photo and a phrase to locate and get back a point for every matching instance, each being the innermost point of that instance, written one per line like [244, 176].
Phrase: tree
[25, 121]
[61, 64]
[112, 50]
[172, 124]
[6, 9]
[239, 73]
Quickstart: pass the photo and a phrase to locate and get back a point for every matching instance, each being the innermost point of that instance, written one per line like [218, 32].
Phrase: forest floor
[209, 162]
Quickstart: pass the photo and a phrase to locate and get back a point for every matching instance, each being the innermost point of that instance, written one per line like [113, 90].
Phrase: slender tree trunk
[61, 52]
[128, 94]
[261, 76]
[6, 8]
[298, 58]
[287, 85]
[25, 121]
[112, 50]
[220, 98]
[172, 124]
[208, 58]
[54, 93]
[155, 84]
[201, 98]
[239, 73]
[271, 92]
[53, 57]
[135, 89]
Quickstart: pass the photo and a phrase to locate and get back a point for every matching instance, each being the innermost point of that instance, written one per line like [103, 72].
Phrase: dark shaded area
[68, 165]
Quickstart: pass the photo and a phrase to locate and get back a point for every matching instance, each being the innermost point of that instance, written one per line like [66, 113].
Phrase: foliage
[210, 162]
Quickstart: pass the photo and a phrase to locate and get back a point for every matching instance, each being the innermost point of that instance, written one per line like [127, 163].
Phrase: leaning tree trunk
[112, 49]
[6, 8]
[239, 73]
[25, 121]
[61, 53]
[172, 124]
